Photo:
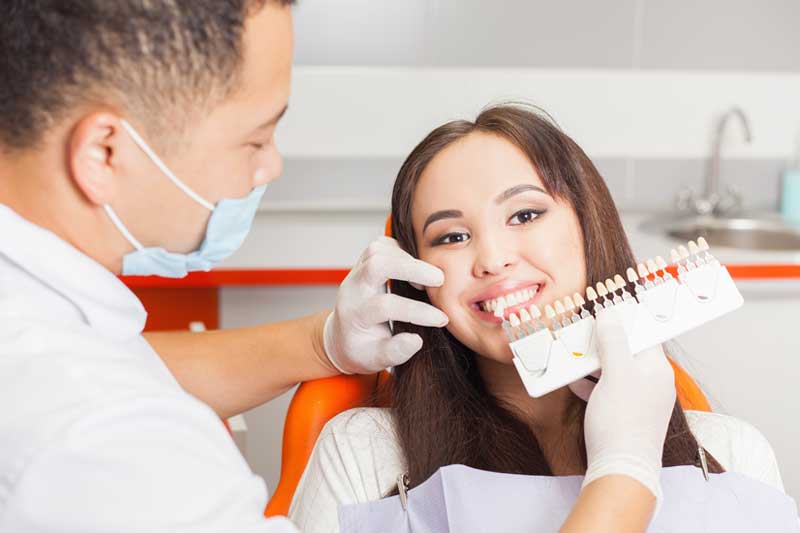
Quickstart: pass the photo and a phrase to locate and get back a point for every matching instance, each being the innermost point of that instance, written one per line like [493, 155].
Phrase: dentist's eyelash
[529, 214]
[260, 146]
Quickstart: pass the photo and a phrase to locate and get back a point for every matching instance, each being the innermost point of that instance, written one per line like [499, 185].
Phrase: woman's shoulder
[363, 422]
[356, 459]
[737, 445]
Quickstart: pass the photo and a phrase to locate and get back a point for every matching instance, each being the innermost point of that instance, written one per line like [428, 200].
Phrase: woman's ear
[89, 156]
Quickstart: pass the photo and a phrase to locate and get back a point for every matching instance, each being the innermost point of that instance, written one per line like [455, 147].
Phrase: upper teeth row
[515, 298]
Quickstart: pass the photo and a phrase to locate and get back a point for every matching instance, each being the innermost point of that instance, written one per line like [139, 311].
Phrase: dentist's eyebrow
[515, 190]
[441, 215]
[272, 121]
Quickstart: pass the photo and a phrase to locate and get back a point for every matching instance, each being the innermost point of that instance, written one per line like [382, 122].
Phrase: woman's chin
[498, 354]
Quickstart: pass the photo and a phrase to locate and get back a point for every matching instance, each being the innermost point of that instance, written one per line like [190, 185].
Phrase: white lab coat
[95, 433]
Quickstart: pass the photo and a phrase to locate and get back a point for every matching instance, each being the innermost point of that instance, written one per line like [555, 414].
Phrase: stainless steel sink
[766, 233]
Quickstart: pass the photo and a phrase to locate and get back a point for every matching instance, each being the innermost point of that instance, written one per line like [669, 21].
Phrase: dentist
[137, 138]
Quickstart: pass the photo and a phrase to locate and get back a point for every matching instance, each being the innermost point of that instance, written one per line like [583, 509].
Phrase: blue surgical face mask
[227, 228]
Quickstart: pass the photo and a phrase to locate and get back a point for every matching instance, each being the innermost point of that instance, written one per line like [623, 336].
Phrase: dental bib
[465, 500]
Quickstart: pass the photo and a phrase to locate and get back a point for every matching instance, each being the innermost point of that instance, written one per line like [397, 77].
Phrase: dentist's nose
[270, 169]
[493, 259]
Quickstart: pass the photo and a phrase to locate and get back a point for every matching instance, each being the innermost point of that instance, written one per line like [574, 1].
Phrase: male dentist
[136, 137]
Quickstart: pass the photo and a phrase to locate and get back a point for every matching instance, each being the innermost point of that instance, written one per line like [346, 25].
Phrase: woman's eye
[524, 216]
[451, 238]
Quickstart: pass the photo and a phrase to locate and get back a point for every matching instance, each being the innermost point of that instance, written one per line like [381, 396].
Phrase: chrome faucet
[713, 202]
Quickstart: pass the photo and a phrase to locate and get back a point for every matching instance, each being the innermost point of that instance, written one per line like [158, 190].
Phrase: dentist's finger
[400, 348]
[382, 246]
[583, 387]
[384, 307]
[379, 269]
[612, 342]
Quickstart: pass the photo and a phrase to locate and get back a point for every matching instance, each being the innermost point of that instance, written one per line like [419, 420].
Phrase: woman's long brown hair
[442, 410]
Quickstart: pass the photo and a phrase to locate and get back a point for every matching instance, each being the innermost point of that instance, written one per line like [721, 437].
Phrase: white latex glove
[629, 409]
[357, 336]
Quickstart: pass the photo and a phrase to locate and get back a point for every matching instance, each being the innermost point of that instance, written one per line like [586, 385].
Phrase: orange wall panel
[173, 308]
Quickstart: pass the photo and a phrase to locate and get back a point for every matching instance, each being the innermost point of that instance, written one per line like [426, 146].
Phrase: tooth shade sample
[651, 266]
[514, 319]
[524, 316]
[559, 307]
[619, 282]
[642, 270]
[660, 262]
[610, 285]
[591, 294]
[578, 299]
[702, 244]
[683, 251]
[693, 248]
[568, 303]
[632, 277]
[601, 289]
[534, 311]
[673, 254]
[549, 311]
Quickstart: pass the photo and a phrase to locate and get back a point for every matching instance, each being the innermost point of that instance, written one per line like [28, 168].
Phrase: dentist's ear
[90, 152]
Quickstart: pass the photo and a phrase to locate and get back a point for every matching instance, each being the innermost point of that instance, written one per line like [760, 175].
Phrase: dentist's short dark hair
[151, 56]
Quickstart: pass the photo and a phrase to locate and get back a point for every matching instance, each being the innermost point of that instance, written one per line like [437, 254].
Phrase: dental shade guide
[654, 306]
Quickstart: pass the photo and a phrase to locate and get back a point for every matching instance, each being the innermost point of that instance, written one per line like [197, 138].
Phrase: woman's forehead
[472, 171]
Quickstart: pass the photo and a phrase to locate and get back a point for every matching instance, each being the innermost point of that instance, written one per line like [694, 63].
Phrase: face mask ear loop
[163, 168]
[122, 229]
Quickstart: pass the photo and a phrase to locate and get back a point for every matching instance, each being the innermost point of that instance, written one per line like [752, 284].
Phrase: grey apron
[459, 499]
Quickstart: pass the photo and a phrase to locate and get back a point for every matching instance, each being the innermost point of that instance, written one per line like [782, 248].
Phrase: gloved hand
[357, 337]
[629, 408]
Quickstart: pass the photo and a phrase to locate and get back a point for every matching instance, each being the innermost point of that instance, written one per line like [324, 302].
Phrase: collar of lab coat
[107, 305]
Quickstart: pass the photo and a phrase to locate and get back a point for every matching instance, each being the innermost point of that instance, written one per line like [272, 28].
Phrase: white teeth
[514, 298]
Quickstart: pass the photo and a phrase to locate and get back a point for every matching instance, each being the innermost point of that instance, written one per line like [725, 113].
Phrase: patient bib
[462, 499]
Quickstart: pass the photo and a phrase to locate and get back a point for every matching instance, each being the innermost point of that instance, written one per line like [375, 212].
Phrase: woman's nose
[493, 260]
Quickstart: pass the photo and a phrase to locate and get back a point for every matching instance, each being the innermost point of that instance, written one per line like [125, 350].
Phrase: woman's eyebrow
[517, 189]
[440, 215]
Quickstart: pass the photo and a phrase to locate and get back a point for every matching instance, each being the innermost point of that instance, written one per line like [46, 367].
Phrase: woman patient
[505, 205]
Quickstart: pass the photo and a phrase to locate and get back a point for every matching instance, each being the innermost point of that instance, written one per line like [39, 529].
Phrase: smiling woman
[515, 214]
[534, 221]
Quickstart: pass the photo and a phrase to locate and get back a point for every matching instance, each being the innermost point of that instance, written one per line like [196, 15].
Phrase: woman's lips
[489, 316]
